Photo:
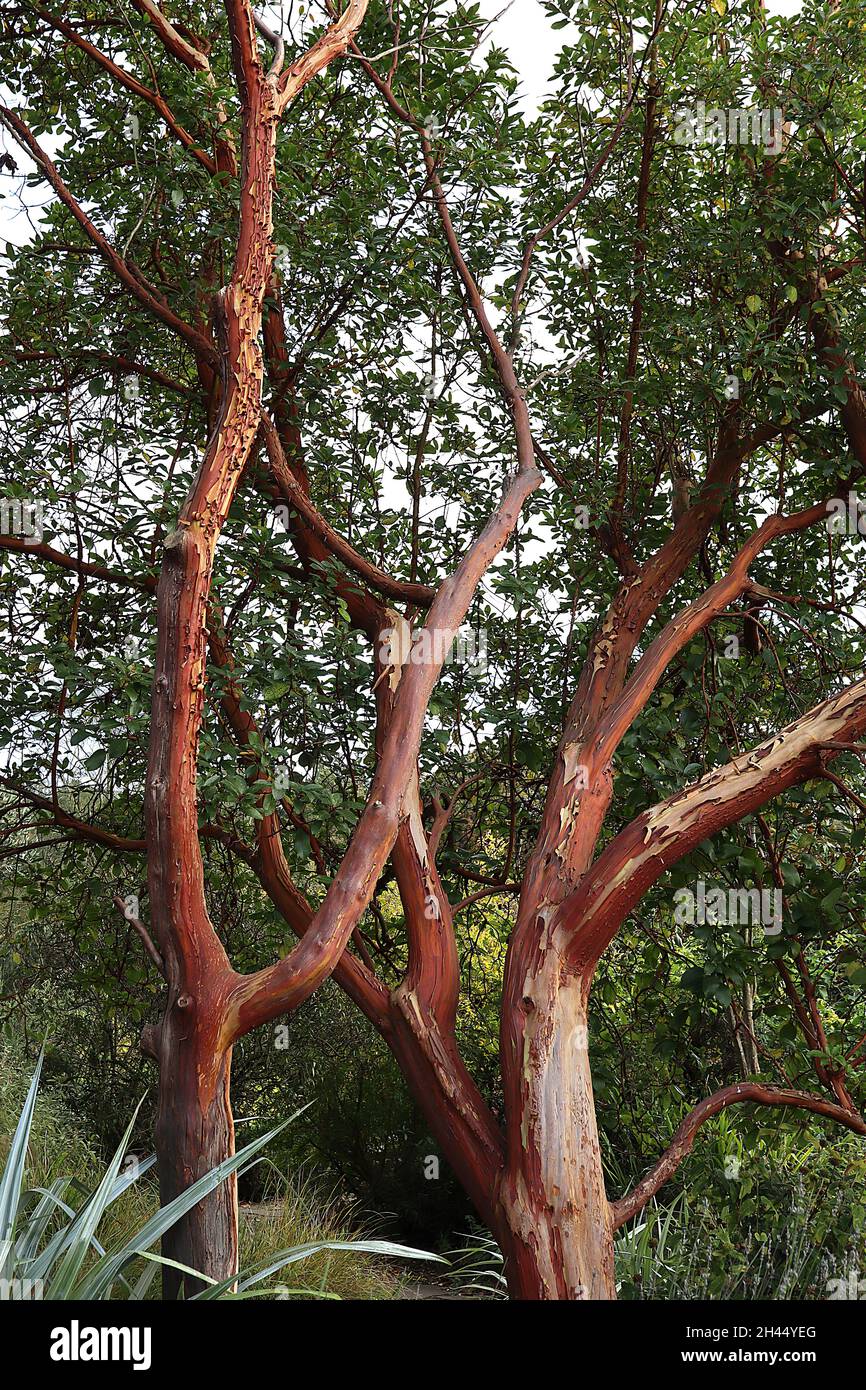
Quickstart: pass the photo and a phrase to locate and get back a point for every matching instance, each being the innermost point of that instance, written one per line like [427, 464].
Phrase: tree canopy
[654, 308]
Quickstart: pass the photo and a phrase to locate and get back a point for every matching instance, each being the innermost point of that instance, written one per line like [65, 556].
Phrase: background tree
[662, 336]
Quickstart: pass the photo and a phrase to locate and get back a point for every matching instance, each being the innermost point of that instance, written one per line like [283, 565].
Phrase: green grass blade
[101, 1277]
[271, 1264]
[63, 1281]
[12, 1181]
[37, 1222]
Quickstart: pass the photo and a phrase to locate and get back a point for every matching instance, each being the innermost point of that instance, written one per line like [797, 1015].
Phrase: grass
[699, 1243]
[294, 1214]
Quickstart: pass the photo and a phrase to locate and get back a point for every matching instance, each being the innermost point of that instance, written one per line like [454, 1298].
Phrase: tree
[655, 337]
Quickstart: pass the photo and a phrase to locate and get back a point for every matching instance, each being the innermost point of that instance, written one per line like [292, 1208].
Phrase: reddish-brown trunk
[453, 1107]
[194, 1128]
[558, 1234]
[195, 1133]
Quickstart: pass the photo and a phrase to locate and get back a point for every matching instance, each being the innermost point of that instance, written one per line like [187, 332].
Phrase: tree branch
[291, 491]
[146, 295]
[82, 828]
[639, 855]
[684, 1138]
[69, 562]
[331, 45]
[126, 365]
[676, 635]
[258, 998]
[132, 84]
[174, 42]
[133, 921]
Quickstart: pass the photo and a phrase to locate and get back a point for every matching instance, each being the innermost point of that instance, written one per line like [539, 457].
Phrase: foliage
[408, 474]
[51, 1248]
[762, 1214]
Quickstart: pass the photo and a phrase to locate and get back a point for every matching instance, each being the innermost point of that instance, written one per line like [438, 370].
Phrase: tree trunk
[195, 1132]
[558, 1234]
[194, 1126]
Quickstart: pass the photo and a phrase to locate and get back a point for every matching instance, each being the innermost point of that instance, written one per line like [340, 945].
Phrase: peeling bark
[559, 1237]
[539, 1183]
[194, 1128]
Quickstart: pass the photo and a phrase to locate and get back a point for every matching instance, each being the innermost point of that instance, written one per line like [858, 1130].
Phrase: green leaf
[275, 691]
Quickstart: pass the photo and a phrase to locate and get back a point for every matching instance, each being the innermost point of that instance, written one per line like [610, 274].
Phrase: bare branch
[333, 42]
[658, 838]
[278, 45]
[125, 365]
[70, 562]
[262, 996]
[126, 79]
[684, 1138]
[173, 40]
[290, 489]
[133, 921]
[83, 829]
